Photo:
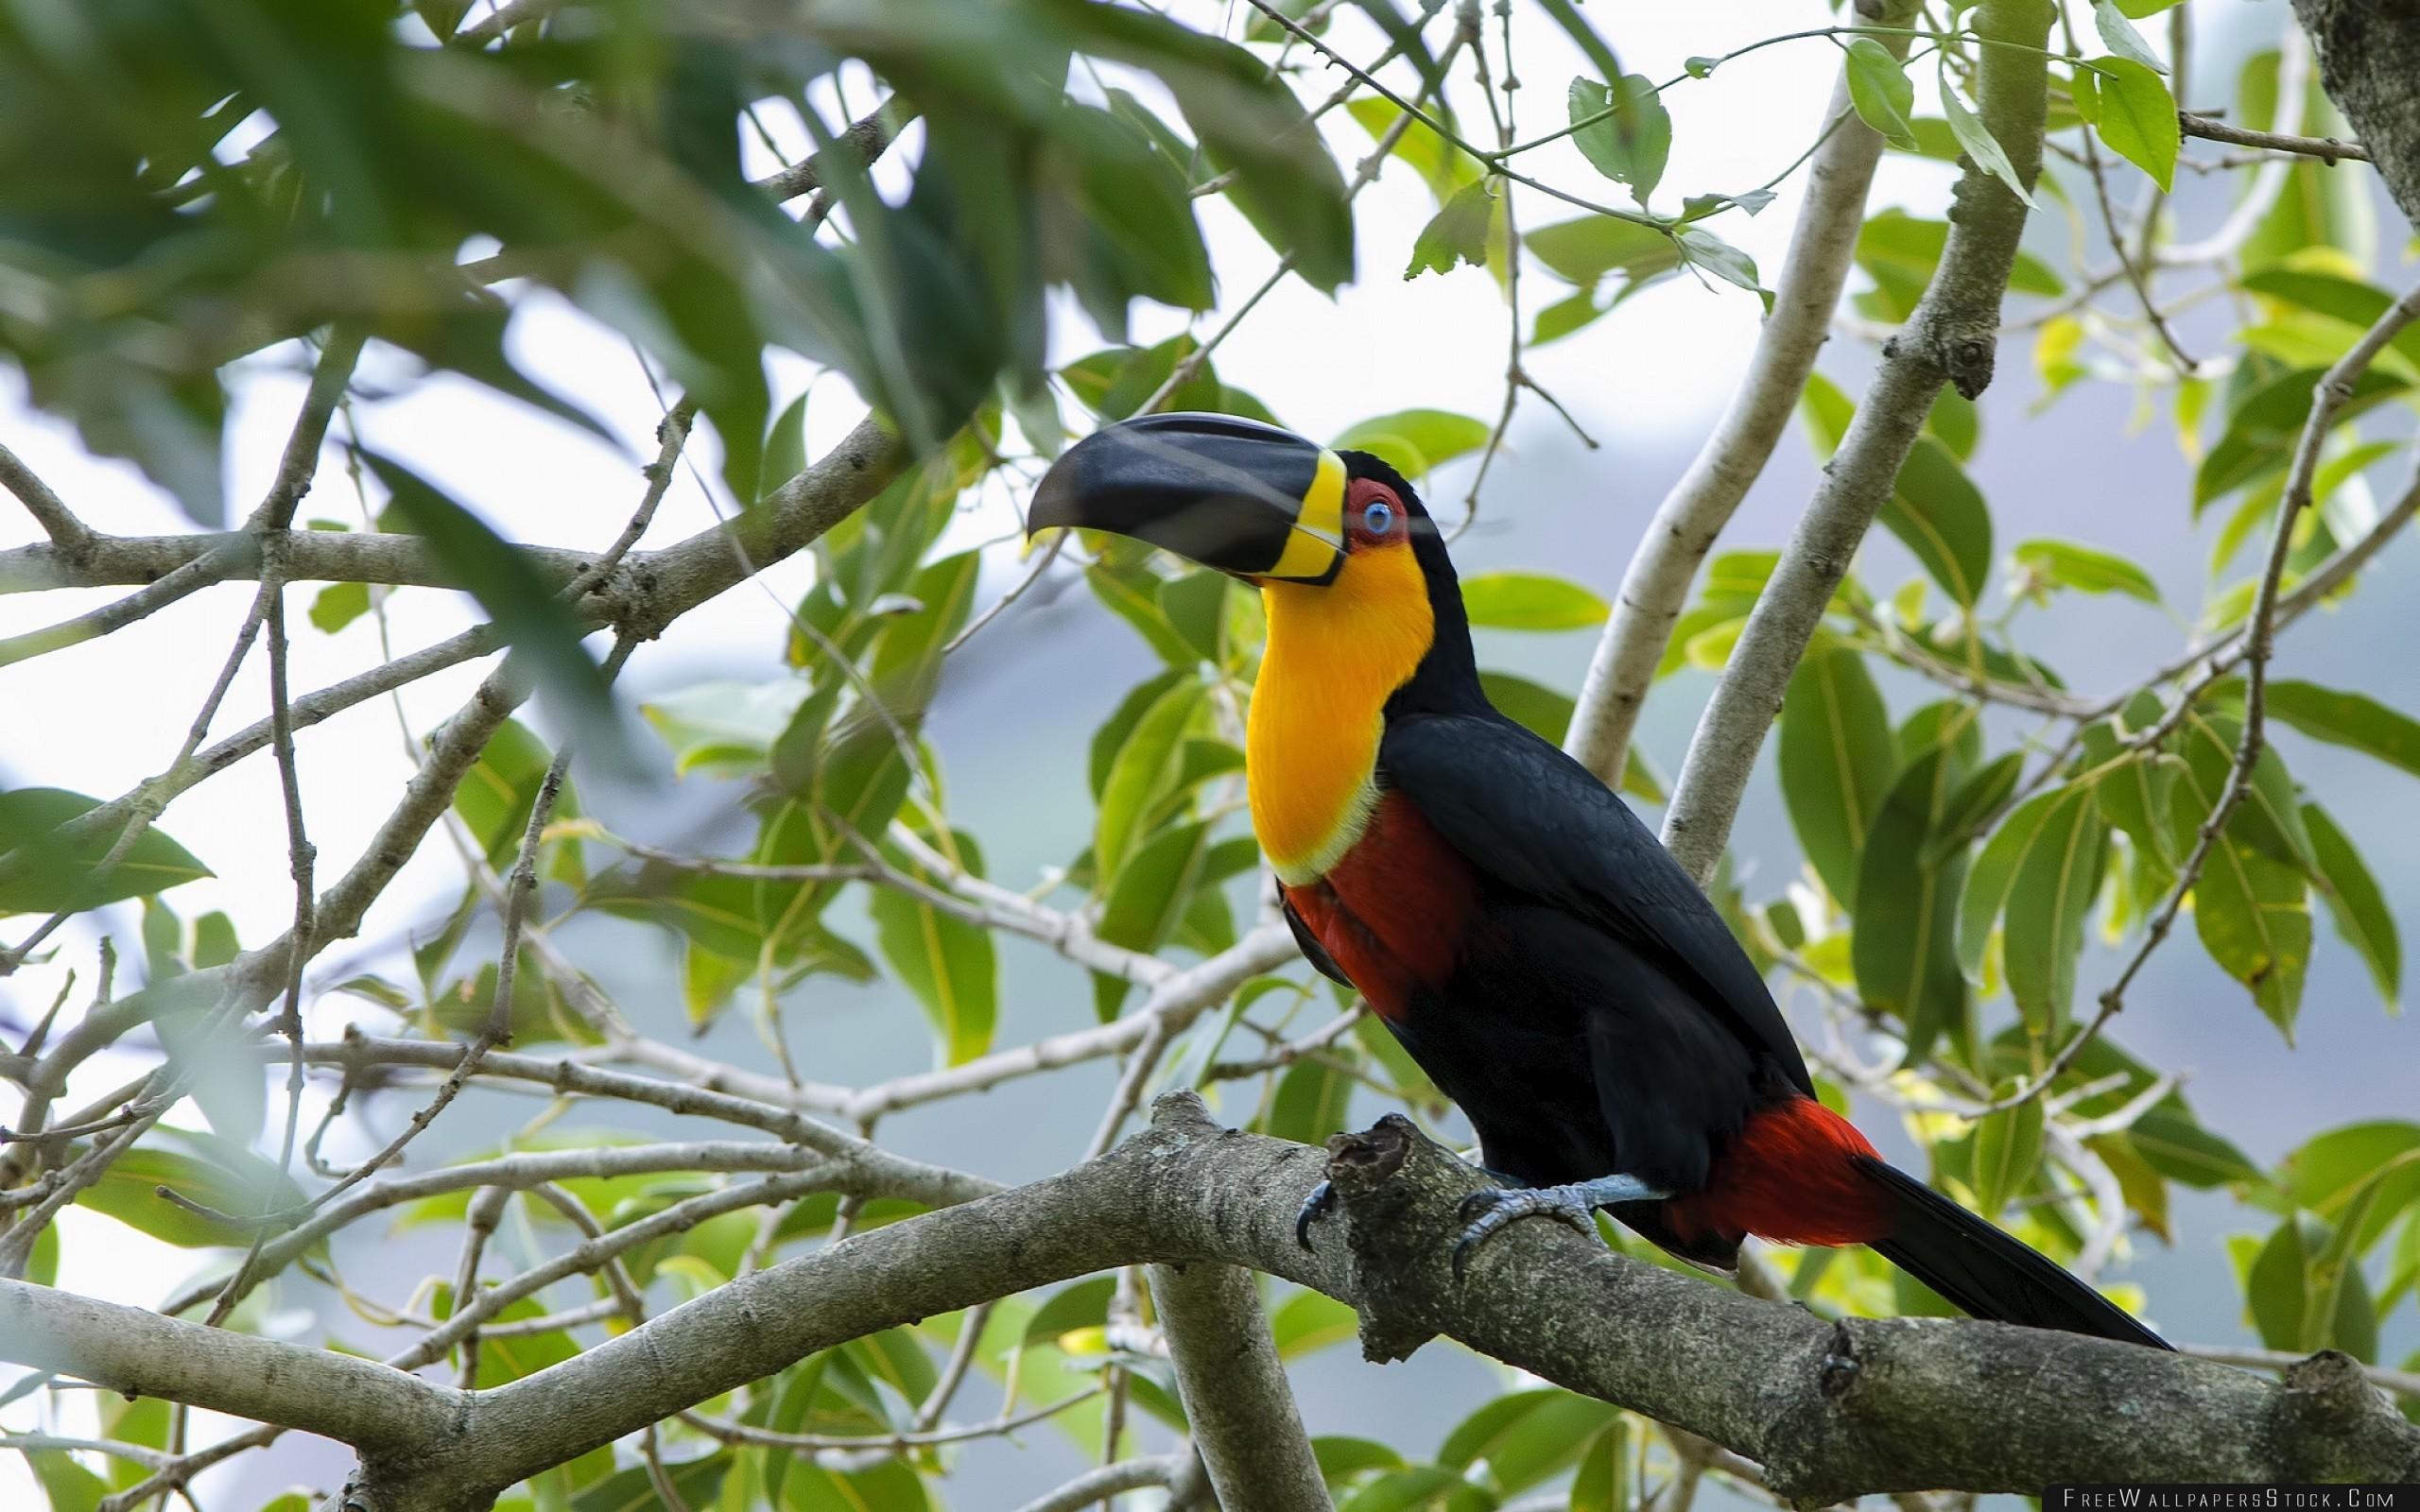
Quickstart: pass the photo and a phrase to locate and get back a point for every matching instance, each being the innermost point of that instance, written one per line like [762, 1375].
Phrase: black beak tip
[1218, 490]
[1058, 502]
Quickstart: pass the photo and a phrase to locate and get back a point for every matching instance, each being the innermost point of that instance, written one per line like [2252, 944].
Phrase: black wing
[1540, 824]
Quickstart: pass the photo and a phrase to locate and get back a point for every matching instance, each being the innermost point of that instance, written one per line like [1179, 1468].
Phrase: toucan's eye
[1379, 518]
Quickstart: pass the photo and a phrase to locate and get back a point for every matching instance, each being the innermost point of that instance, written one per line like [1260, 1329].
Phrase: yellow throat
[1334, 655]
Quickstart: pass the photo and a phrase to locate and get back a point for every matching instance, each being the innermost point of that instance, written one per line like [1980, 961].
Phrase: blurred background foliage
[184, 182]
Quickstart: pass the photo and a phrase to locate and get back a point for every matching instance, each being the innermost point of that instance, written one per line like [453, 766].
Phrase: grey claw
[1317, 1205]
[1497, 1208]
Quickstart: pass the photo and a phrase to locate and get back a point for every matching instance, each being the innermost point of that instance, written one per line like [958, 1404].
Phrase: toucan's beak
[1227, 492]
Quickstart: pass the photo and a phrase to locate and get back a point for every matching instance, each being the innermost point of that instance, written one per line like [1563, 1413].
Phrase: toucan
[1526, 937]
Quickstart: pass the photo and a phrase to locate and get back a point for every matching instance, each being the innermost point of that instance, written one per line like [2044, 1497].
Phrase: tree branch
[1655, 587]
[1831, 1409]
[2365, 53]
[1237, 1400]
[2326, 148]
[141, 1353]
[69, 535]
[1950, 338]
[645, 592]
[1126, 1475]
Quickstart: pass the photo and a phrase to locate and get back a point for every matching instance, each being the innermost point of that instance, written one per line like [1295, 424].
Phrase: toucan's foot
[1317, 1205]
[1490, 1209]
[1323, 1201]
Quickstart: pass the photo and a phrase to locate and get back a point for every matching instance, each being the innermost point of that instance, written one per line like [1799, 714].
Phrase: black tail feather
[1987, 1273]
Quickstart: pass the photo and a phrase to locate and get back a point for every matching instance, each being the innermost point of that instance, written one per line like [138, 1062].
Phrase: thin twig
[69, 534]
[2334, 390]
[2326, 148]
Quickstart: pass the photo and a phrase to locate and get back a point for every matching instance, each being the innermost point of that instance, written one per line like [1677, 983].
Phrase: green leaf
[1977, 141]
[1592, 46]
[1880, 89]
[1082, 1304]
[1309, 1321]
[1110, 737]
[697, 1480]
[2254, 916]
[493, 800]
[1531, 601]
[66, 1486]
[2135, 794]
[507, 1358]
[1565, 316]
[1994, 875]
[1585, 250]
[2119, 35]
[338, 605]
[2265, 424]
[218, 1061]
[1526, 1436]
[2356, 903]
[2048, 899]
[2086, 570]
[1904, 948]
[2182, 1150]
[1149, 899]
[1143, 772]
[2350, 719]
[1939, 513]
[1311, 1098]
[2008, 1149]
[215, 1173]
[1899, 252]
[44, 873]
[2269, 818]
[1457, 234]
[724, 727]
[1343, 1459]
[2297, 1306]
[529, 614]
[1442, 165]
[1418, 1488]
[2331, 1170]
[1704, 249]
[1602, 1483]
[1631, 146]
[2139, 117]
[2349, 303]
[1194, 605]
[1131, 590]
[1838, 760]
[1415, 441]
[949, 963]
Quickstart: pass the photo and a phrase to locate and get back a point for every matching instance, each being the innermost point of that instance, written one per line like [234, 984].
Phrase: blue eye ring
[1379, 517]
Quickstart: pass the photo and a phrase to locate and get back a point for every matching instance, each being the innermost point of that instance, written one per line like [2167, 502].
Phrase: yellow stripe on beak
[1317, 538]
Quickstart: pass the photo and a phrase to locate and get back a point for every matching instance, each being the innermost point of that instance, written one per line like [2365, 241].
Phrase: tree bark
[1950, 338]
[1831, 1409]
[2369, 55]
[1237, 1400]
[1655, 586]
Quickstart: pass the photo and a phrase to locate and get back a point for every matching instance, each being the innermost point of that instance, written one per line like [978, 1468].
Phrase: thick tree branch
[2366, 51]
[1950, 338]
[1237, 1400]
[1655, 587]
[1830, 1409]
[142, 1353]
